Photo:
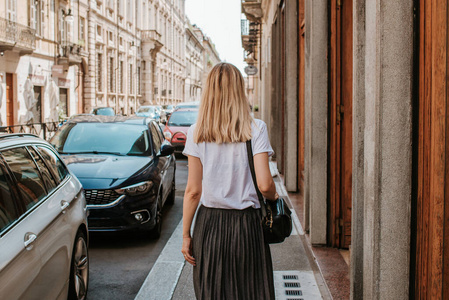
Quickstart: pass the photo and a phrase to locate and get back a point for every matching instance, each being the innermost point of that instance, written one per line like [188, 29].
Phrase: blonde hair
[224, 115]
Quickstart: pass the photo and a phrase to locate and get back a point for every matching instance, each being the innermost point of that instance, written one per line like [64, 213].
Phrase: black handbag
[276, 216]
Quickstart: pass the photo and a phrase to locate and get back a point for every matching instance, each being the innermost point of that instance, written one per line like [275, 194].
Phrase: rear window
[56, 166]
[8, 213]
[25, 171]
[183, 118]
[112, 138]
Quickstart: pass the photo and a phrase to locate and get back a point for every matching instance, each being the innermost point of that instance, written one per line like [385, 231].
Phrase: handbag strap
[249, 151]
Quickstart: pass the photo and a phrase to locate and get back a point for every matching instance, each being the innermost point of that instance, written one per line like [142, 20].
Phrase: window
[57, 168]
[29, 181]
[138, 81]
[129, 9]
[99, 72]
[49, 181]
[99, 29]
[11, 10]
[130, 76]
[156, 139]
[120, 77]
[111, 75]
[81, 33]
[8, 213]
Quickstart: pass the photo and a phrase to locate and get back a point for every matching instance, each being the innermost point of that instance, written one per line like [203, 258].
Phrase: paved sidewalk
[296, 274]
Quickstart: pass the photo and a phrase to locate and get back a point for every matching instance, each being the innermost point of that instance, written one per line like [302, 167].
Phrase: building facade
[210, 54]
[194, 64]
[41, 70]
[354, 95]
[64, 57]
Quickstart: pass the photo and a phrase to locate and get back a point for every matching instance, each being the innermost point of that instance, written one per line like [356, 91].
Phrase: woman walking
[230, 258]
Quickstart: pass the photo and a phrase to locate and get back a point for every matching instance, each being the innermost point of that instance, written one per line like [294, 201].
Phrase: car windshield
[183, 118]
[105, 111]
[145, 109]
[102, 138]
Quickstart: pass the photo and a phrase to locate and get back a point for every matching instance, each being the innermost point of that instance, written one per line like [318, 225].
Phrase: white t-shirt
[227, 181]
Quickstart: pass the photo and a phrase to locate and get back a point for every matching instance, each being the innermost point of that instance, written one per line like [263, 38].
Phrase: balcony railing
[44, 130]
[150, 35]
[70, 53]
[244, 24]
[14, 35]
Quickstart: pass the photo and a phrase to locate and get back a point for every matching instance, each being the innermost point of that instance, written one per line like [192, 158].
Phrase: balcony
[16, 37]
[250, 35]
[252, 10]
[70, 54]
[151, 42]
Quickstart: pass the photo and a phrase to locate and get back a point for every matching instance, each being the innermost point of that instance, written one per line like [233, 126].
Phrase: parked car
[168, 110]
[103, 111]
[126, 167]
[149, 112]
[43, 223]
[178, 124]
[185, 105]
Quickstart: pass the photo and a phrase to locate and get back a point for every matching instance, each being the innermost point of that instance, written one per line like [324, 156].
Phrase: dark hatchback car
[126, 168]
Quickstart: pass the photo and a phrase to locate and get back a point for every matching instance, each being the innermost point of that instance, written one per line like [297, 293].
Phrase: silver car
[43, 223]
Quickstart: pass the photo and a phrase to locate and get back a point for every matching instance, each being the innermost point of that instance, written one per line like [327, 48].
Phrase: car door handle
[64, 205]
[29, 240]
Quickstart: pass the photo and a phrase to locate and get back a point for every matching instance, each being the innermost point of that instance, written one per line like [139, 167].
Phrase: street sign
[250, 70]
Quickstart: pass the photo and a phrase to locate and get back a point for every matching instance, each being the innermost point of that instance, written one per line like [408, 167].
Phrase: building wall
[382, 61]
[36, 67]
[194, 65]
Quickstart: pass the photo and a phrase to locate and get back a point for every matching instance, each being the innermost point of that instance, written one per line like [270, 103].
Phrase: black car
[126, 168]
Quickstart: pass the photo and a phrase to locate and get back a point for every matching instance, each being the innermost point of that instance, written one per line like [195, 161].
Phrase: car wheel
[79, 270]
[155, 233]
[171, 197]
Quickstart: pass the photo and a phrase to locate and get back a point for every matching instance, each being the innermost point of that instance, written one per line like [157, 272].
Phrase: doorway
[63, 103]
[9, 100]
[340, 121]
[37, 108]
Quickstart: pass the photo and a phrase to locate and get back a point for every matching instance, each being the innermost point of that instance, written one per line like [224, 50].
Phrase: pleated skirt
[232, 260]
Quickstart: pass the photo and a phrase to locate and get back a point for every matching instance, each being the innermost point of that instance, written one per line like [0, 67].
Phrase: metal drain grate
[292, 284]
[296, 285]
[293, 292]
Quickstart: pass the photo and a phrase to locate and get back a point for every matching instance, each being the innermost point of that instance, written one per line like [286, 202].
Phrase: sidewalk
[296, 274]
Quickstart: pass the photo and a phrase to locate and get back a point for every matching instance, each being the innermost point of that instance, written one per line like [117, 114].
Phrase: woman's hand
[187, 250]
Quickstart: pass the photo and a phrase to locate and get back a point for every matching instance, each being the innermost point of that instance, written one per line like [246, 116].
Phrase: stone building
[194, 64]
[41, 67]
[354, 93]
[63, 57]
[136, 56]
[210, 54]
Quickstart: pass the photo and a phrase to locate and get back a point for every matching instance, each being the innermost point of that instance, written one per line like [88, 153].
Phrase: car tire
[171, 197]
[155, 233]
[79, 269]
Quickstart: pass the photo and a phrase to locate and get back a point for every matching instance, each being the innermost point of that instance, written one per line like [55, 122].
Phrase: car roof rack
[17, 135]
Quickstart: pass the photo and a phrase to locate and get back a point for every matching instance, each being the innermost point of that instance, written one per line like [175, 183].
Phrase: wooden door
[283, 86]
[430, 253]
[301, 95]
[340, 134]
[9, 100]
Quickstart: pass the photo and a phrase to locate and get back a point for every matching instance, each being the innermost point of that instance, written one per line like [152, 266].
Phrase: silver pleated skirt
[232, 260]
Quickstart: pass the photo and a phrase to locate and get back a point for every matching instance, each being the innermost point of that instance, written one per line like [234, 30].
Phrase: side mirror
[166, 149]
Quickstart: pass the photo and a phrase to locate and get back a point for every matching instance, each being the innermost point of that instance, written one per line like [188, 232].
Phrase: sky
[220, 21]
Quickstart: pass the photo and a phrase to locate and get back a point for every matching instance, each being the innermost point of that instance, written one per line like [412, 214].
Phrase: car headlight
[167, 135]
[136, 189]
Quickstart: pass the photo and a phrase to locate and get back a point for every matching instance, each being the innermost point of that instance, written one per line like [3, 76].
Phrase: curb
[161, 282]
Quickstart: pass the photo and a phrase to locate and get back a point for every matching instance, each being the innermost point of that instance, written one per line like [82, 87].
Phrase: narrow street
[119, 263]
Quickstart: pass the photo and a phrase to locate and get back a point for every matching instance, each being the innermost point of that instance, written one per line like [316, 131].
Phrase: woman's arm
[263, 175]
[191, 199]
